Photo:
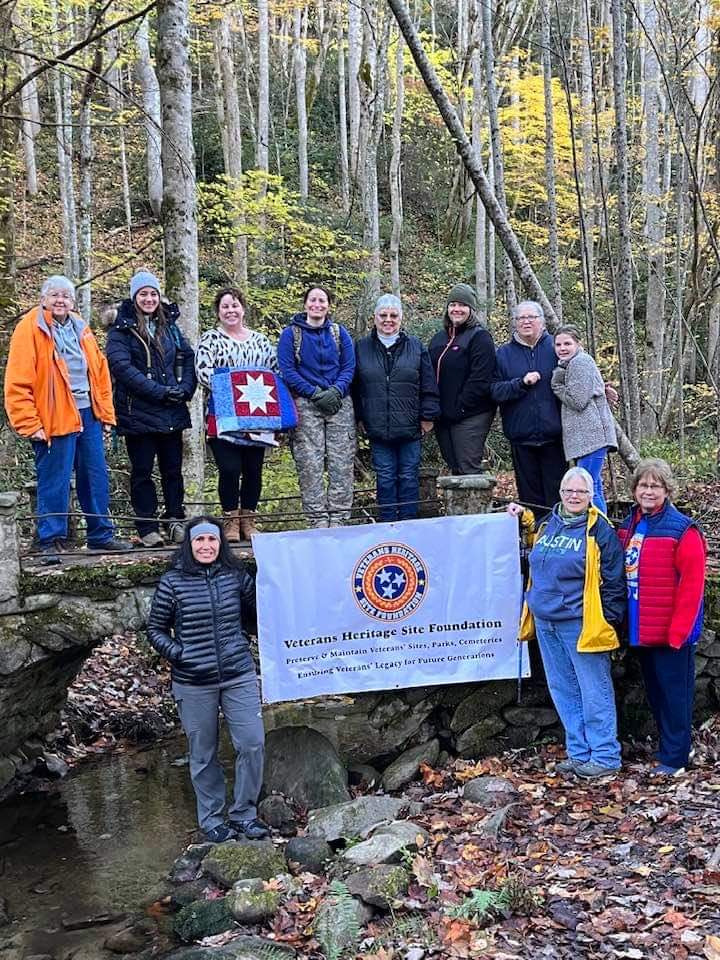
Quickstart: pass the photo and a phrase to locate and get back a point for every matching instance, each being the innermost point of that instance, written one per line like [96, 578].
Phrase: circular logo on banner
[390, 582]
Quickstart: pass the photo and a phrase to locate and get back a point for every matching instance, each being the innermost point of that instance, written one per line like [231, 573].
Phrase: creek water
[97, 844]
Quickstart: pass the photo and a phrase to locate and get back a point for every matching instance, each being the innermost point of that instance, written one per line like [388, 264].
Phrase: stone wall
[50, 622]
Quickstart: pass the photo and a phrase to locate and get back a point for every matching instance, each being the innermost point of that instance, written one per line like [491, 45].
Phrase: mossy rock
[203, 918]
[379, 885]
[229, 862]
[253, 906]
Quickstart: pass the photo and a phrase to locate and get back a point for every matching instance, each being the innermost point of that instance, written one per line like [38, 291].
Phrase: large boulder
[242, 948]
[302, 764]
[344, 821]
[490, 791]
[229, 862]
[249, 902]
[406, 767]
[481, 738]
[486, 700]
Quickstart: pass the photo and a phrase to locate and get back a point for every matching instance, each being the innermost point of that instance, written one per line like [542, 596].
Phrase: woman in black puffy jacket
[197, 621]
[154, 376]
[463, 356]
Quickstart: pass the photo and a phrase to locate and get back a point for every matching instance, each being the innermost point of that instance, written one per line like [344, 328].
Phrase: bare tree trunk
[655, 321]
[231, 126]
[481, 278]
[396, 198]
[586, 134]
[624, 280]
[247, 69]
[85, 209]
[299, 29]
[62, 94]
[477, 174]
[29, 105]
[553, 247]
[355, 43]
[263, 122]
[178, 207]
[153, 123]
[114, 92]
[496, 142]
[8, 139]
[326, 28]
[342, 115]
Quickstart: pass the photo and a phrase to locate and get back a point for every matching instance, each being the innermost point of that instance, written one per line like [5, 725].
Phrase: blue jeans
[54, 464]
[397, 467]
[582, 691]
[593, 463]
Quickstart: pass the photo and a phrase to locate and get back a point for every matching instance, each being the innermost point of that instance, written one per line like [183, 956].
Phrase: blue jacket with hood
[320, 364]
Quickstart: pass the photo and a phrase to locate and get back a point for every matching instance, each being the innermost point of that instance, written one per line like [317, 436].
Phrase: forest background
[278, 144]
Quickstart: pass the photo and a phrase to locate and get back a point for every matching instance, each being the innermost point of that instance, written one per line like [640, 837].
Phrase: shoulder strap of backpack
[297, 341]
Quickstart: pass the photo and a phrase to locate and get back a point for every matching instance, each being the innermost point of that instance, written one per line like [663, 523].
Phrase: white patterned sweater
[216, 349]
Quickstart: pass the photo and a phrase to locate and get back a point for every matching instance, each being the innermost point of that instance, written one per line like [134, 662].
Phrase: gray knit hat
[143, 278]
[463, 293]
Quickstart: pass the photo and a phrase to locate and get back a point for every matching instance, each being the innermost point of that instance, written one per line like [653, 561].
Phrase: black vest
[387, 388]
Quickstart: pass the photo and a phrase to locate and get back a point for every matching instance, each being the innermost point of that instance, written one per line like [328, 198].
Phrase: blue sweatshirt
[557, 569]
[321, 364]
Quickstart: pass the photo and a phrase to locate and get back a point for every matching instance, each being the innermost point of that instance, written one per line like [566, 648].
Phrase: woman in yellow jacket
[574, 603]
[58, 395]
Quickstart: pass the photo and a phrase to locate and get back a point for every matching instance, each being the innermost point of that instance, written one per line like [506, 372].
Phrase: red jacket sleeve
[690, 566]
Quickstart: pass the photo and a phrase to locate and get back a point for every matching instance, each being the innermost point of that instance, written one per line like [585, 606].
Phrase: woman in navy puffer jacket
[154, 376]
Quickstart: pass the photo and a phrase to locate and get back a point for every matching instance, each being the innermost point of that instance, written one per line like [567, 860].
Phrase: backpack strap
[297, 341]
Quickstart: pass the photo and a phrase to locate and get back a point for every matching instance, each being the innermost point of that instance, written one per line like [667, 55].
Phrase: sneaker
[152, 539]
[593, 771]
[663, 770]
[176, 530]
[221, 833]
[253, 829]
[50, 553]
[113, 545]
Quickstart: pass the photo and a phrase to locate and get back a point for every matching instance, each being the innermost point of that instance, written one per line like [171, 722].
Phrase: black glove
[329, 402]
[174, 395]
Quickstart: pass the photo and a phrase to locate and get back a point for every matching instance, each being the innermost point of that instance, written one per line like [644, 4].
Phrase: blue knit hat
[388, 300]
[143, 278]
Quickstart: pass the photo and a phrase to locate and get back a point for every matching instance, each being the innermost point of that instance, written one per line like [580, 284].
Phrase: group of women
[587, 584]
[585, 580]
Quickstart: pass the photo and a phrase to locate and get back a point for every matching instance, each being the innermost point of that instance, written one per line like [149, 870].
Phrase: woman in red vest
[665, 568]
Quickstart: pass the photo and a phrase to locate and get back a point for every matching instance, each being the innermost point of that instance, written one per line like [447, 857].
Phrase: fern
[268, 952]
[480, 905]
[336, 923]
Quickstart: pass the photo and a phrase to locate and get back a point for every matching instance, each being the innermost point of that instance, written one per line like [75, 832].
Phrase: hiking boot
[567, 766]
[50, 553]
[221, 833]
[152, 539]
[231, 525]
[253, 829]
[248, 528]
[113, 545]
[594, 771]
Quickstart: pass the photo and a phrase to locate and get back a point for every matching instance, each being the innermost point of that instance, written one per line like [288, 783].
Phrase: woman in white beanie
[154, 374]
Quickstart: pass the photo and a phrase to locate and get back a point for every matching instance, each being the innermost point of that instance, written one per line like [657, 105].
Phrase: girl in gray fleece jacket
[588, 427]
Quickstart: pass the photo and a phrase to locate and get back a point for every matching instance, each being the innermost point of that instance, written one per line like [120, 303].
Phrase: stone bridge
[52, 618]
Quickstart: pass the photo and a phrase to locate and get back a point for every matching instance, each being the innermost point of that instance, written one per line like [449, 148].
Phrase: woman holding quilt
[574, 604]
[240, 464]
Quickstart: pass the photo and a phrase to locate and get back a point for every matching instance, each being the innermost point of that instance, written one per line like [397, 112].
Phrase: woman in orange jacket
[58, 395]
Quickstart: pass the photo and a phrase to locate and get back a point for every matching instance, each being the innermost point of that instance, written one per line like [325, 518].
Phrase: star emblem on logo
[255, 393]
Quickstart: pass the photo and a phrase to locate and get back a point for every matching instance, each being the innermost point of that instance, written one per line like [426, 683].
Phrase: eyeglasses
[651, 486]
[528, 316]
[575, 493]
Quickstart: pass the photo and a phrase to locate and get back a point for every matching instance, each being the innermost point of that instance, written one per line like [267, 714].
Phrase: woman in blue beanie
[152, 367]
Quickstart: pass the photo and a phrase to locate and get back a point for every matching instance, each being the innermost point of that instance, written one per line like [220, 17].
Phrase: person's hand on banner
[515, 510]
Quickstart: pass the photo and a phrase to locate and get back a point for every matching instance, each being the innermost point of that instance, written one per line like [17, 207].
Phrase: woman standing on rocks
[317, 362]
[575, 602]
[665, 555]
[197, 620]
[151, 363]
[233, 344]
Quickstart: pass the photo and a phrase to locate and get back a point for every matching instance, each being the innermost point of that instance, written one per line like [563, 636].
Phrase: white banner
[380, 606]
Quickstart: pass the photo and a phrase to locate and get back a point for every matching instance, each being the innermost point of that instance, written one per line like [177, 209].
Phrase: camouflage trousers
[325, 443]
